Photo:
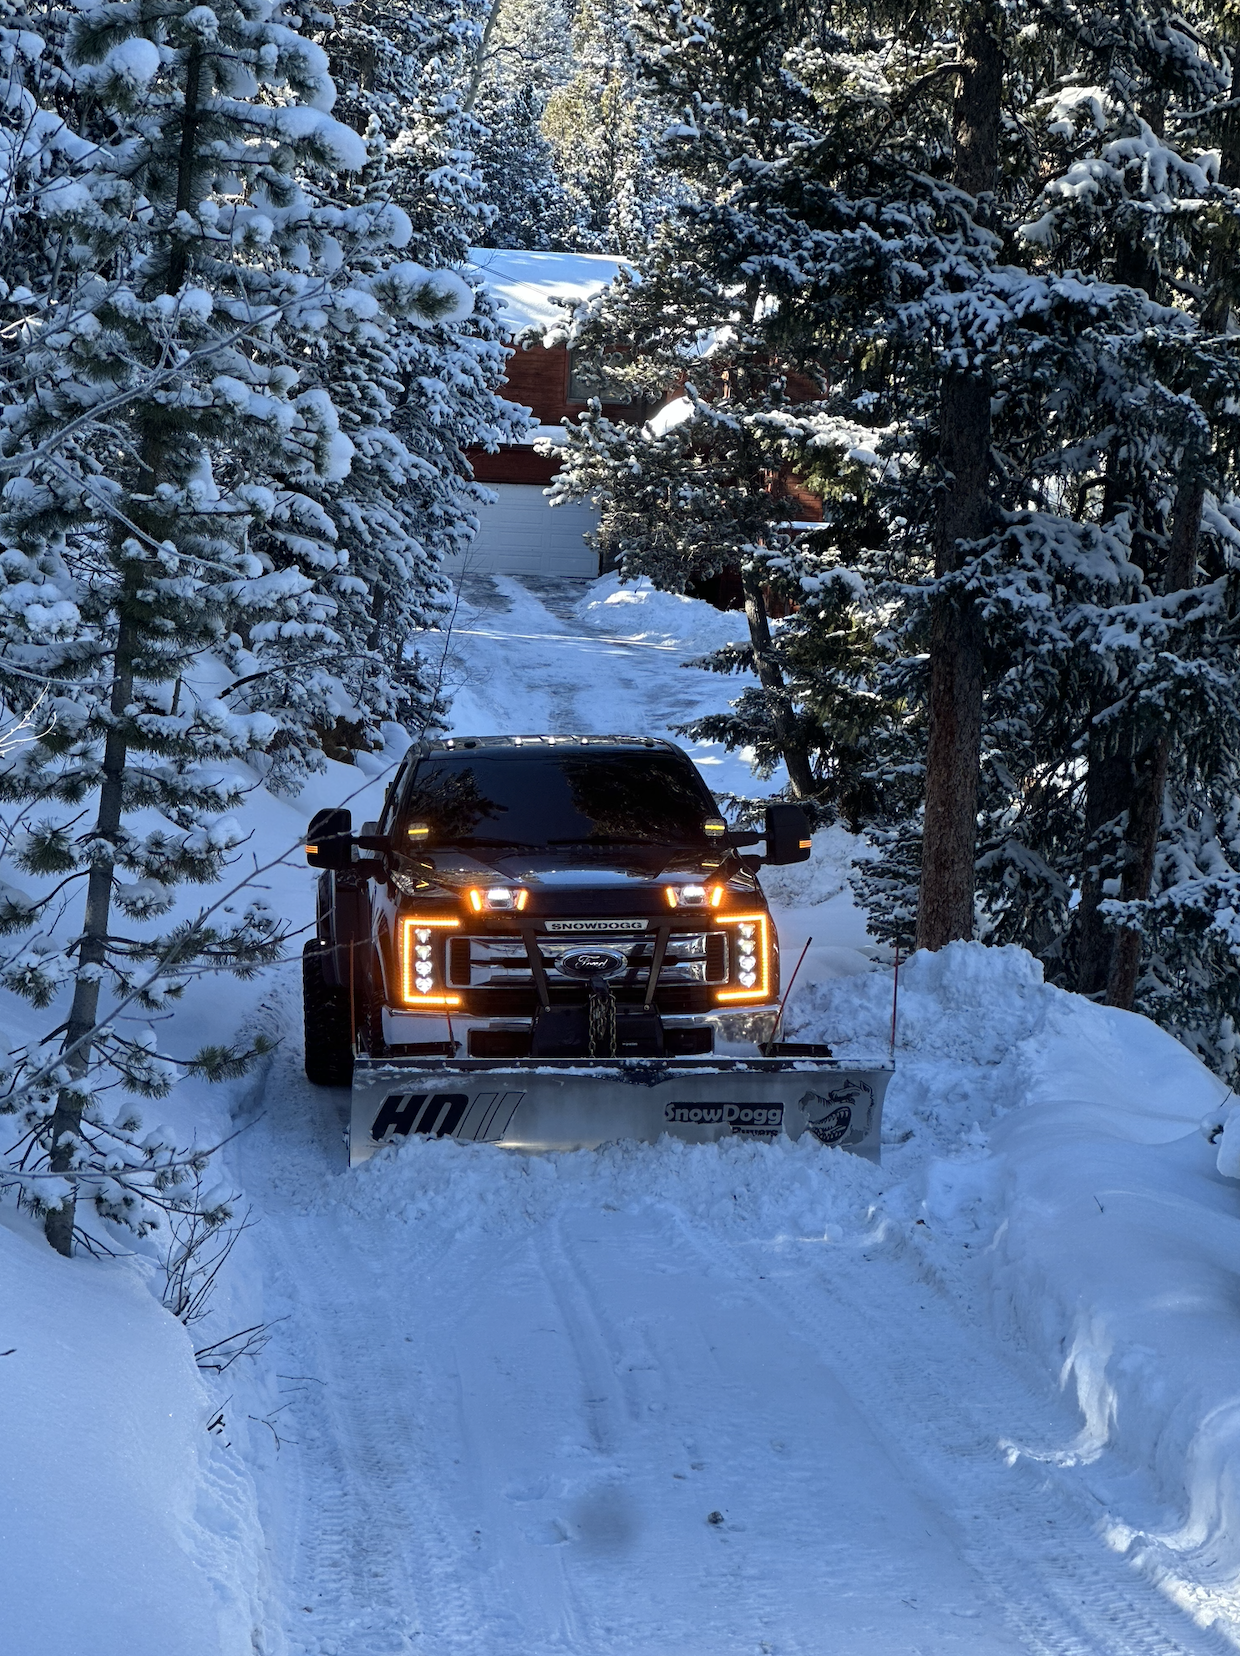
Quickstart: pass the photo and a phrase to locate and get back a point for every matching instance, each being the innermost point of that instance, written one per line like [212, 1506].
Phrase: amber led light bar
[418, 985]
[751, 959]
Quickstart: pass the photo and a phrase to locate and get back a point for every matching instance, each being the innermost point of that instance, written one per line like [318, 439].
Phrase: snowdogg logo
[829, 1118]
[595, 925]
[753, 1120]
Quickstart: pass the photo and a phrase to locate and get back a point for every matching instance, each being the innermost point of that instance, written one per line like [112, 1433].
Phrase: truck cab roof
[535, 743]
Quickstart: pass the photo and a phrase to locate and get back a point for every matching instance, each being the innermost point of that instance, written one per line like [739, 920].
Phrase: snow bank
[637, 610]
[126, 1529]
[1045, 1154]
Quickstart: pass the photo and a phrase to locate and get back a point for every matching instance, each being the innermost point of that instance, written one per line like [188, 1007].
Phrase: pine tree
[522, 57]
[165, 425]
[603, 130]
[1022, 396]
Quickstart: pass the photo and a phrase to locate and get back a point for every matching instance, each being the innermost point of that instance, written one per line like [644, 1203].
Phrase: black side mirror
[329, 840]
[787, 835]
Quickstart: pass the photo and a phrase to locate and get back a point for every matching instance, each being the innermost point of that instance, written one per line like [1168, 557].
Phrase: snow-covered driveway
[617, 1403]
[667, 1400]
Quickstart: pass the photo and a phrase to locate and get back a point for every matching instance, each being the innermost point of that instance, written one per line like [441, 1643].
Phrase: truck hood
[578, 868]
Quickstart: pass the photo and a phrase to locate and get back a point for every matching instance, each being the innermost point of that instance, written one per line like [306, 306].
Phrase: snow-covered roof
[526, 283]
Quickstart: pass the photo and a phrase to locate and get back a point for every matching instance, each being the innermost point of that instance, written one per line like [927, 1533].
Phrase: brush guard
[541, 1104]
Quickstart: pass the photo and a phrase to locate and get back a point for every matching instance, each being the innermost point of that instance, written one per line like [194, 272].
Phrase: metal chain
[602, 1019]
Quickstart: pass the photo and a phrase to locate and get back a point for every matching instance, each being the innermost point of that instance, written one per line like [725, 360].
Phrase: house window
[583, 383]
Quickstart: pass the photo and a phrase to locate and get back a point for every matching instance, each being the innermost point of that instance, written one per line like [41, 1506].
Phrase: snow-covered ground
[692, 1401]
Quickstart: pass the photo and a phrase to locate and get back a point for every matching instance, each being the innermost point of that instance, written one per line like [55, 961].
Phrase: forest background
[967, 271]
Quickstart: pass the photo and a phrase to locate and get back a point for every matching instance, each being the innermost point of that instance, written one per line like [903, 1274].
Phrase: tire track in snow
[367, 1563]
[1032, 1536]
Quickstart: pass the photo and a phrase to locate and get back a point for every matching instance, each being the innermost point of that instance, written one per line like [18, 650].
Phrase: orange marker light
[716, 896]
[672, 899]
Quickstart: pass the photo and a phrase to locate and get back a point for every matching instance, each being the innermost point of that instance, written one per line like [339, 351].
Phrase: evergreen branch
[162, 377]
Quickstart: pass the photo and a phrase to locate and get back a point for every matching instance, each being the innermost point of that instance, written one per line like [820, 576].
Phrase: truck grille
[501, 962]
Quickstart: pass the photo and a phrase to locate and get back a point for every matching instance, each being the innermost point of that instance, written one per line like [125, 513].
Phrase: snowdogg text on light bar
[550, 942]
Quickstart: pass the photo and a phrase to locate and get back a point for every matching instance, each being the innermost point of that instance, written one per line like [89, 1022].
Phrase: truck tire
[329, 1032]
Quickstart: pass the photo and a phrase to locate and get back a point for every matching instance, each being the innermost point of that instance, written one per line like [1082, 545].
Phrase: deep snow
[669, 1399]
[527, 284]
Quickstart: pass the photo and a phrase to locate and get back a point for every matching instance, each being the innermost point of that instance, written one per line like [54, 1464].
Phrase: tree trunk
[480, 58]
[953, 752]
[178, 257]
[93, 949]
[1125, 782]
[1153, 761]
[791, 745]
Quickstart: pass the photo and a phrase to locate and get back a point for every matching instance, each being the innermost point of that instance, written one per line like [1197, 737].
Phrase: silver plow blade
[537, 1104]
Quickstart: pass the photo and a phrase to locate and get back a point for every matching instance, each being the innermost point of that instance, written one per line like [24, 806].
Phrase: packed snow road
[612, 1403]
[668, 1400]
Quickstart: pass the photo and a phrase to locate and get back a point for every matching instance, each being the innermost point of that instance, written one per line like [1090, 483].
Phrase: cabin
[522, 534]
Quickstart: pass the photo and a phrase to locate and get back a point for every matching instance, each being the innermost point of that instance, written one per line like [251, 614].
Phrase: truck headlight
[693, 896]
[750, 973]
[503, 899]
[421, 961]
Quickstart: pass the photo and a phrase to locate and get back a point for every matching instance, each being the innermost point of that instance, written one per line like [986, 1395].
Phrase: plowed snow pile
[663, 1400]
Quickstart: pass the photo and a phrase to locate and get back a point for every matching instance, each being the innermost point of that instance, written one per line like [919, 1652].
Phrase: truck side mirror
[787, 835]
[329, 839]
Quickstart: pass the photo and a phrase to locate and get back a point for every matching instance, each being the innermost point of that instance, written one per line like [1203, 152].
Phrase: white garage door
[523, 535]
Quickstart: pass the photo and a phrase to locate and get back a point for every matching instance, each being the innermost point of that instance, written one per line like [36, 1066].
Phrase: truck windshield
[522, 799]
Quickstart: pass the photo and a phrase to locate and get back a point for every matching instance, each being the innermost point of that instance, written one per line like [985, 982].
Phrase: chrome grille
[502, 963]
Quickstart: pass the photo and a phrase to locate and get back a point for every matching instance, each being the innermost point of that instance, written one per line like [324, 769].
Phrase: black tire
[329, 1031]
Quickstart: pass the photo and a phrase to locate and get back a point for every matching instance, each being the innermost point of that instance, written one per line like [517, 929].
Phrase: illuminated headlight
[503, 899]
[421, 956]
[752, 977]
[694, 896]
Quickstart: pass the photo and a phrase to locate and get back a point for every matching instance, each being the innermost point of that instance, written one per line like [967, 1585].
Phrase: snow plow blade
[539, 1104]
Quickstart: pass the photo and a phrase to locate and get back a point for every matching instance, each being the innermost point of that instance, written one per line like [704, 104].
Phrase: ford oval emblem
[591, 963]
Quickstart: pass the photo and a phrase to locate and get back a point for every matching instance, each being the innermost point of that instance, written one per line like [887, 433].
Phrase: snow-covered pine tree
[522, 56]
[1140, 146]
[413, 384]
[821, 241]
[604, 132]
[1136, 679]
[163, 402]
[807, 263]
[517, 166]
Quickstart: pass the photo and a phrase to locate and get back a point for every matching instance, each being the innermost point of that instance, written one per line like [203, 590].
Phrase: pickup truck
[548, 942]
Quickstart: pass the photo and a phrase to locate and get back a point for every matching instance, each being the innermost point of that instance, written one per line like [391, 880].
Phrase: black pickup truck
[543, 905]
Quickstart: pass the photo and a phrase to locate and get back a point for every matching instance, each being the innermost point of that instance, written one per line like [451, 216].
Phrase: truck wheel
[329, 1035]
